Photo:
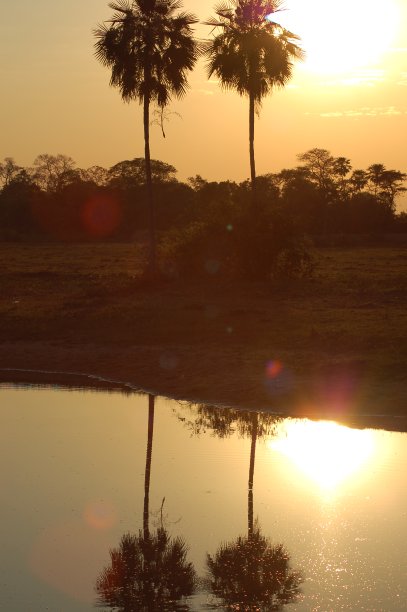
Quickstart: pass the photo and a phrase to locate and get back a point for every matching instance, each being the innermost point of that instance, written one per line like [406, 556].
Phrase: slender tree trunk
[146, 531]
[251, 146]
[251, 475]
[149, 186]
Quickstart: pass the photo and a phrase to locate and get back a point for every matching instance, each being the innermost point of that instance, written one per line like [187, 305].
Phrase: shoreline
[106, 381]
[329, 347]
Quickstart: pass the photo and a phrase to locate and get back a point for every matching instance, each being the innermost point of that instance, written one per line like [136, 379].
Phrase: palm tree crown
[149, 47]
[252, 54]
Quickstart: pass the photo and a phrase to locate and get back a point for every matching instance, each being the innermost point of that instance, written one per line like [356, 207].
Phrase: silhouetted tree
[131, 173]
[147, 575]
[374, 175]
[148, 572]
[18, 199]
[8, 171]
[150, 49]
[253, 575]
[53, 172]
[251, 55]
[249, 573]
[358, 181]
[96, 175]
[340, 169]
[320, 167]
[386, 184]
[301, 199]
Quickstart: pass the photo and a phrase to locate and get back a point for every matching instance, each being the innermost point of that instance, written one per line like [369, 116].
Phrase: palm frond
[149, 47]
[250, 54]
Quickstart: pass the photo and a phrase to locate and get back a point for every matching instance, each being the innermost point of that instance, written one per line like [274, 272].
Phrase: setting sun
[341, 36]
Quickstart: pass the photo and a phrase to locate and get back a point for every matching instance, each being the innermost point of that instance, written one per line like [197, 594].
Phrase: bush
[295, 261]
[260, 246]
[201, 249]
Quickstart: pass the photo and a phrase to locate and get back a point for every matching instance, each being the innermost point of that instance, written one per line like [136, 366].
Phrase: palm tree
[148, 571]
[250, 573]
[375, 173]
[253, 575]
[252, 54]
[149, 46]
[151, 575]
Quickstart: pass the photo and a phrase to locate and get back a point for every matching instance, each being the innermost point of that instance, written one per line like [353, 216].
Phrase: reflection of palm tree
[251, 473]
[146, 575]
[148, 571]
[224, 422]
[250, 573]
[147, 474]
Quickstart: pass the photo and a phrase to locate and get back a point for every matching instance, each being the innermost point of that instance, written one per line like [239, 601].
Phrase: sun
[340, 36]
[325, 452]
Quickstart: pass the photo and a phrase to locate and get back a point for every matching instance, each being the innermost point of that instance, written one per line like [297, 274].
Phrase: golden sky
[350, 96]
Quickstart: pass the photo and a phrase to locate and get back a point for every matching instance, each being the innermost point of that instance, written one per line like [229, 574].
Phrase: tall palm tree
[250, 573]
[251, 54]
[149, 46]
[148, 571]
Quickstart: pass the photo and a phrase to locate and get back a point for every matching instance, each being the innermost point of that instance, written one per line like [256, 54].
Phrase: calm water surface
[287, 514]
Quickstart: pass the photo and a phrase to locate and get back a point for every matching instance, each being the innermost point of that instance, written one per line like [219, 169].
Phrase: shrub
[201, 249]
[295, 261]
[236, 238]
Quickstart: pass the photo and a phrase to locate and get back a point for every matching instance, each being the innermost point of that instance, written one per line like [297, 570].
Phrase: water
[73, 481]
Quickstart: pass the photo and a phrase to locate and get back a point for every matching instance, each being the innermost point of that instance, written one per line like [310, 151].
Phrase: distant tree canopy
[323, 195]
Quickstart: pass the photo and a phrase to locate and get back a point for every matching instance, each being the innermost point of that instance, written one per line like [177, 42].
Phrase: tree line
[322, 195]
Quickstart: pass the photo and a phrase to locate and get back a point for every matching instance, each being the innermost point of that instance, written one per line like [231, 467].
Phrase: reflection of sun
[324, 451]
[341, 35]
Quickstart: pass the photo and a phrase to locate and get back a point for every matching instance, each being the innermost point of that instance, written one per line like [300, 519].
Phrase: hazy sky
[349, 97]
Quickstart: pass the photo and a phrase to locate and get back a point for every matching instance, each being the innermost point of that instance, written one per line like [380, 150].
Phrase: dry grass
[340, 337]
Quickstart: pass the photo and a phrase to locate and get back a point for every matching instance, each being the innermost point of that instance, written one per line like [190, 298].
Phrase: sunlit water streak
[324, 451]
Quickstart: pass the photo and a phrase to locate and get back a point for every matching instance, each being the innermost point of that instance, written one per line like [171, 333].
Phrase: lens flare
[101, 216]
[273, 369]
[212, 266]
[64, 556]
[100, 515]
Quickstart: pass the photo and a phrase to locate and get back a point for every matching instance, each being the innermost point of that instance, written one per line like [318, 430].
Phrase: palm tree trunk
[251, 146]
[146, 531]
[251, 475]
[149, 185]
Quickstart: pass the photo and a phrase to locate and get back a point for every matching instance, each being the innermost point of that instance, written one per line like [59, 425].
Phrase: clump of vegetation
[296, 261]
[201, 249]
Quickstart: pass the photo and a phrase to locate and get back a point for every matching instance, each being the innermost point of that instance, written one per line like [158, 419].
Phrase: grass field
[334, 344]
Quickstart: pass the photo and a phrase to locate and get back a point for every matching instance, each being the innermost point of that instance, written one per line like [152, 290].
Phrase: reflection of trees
[224, 422]
[252, 575]
[146, 574]
[249, 574]
[148, 571]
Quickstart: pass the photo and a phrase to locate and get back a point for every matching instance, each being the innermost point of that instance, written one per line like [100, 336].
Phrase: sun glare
[340, 36]
[325, 452]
